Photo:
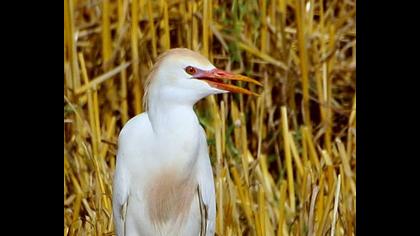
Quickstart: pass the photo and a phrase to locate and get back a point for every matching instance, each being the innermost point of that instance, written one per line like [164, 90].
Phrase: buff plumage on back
[149, 79]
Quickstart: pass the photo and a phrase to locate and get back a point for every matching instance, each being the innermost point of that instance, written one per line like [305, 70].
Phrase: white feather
[206, 184]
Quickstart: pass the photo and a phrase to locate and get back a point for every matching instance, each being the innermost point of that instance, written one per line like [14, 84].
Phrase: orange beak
[216, 76]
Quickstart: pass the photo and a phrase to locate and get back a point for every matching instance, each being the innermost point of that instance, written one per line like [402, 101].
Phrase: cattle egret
[163, 182]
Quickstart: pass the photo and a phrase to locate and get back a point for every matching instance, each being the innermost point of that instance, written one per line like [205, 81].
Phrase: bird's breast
[169, 196]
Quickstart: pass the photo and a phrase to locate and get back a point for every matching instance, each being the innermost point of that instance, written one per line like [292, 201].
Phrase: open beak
[216, 76]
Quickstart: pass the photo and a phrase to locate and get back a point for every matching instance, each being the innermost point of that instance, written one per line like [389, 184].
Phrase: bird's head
[184, 76]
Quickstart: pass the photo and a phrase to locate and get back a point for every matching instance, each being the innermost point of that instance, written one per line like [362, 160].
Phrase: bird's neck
[169, 118]
[177, 130]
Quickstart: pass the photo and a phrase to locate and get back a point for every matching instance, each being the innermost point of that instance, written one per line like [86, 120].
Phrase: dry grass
[284, 162]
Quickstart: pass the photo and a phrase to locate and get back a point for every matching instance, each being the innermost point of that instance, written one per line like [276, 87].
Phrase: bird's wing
[207, 197]
[120, 197]
[132, 141]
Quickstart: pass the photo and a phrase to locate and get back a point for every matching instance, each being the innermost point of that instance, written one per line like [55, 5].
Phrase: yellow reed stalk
[252, 50]
[106, 32]
[219, 199]
[123, 95]
[295, 155]
[266, 178]
[210, 35]
[79, 195]
[100, 79]
[320, 201]
[351, 128]
[344, 158]
[327, 158]
[300, 20]
[328, 90]
[262, 211]
[234, 111]
[260, 117]
[311, 148]
[311, 219]
[188, 19]
[206, 21]
[263, 28]
[123, 73]
[194, 27]
[244, 149]
[89, 210]
[223, 127]
[107, 51]
[322, 223]
[285, 128]
[135, 56]
[165, 21]
[92, 121]
[152, 28]
[97, 127]
[73, 78]
[111, 130]
[323, 87]
[243, 194]
[305, 189]
[309, 11]
[304, 144]
[335, 211]
[282, 23]
[282, 213]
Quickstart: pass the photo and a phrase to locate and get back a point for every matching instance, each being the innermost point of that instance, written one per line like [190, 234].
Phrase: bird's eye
[190, 70]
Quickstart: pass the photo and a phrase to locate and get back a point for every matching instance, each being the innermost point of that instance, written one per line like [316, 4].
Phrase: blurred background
[284, 162]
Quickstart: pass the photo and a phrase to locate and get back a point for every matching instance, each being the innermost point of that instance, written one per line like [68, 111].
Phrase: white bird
[163, 182]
